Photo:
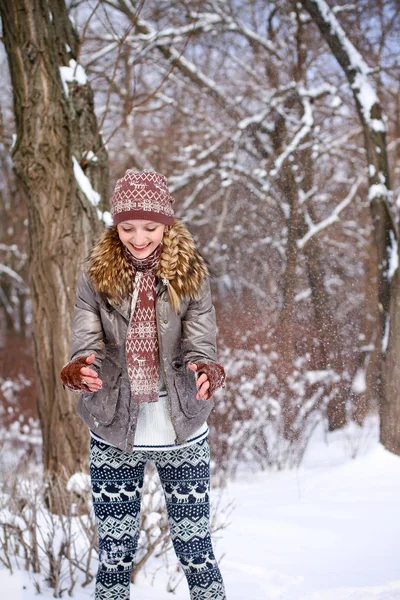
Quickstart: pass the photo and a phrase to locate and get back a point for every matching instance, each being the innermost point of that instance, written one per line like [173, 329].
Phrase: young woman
[144, 356]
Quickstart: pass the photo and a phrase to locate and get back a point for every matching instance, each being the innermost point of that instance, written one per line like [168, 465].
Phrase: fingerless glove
[215, 373]
[71, 374]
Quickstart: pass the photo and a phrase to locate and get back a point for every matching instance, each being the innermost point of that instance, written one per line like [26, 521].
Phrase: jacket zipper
[177, 440]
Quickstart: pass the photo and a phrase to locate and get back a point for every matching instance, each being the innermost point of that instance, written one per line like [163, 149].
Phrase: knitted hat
[142, 195]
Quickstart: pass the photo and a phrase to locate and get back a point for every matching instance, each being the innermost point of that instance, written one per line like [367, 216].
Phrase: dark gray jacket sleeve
[199, 330]
[87, 330]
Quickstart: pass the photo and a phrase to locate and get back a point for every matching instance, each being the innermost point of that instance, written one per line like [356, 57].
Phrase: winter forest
[277, 124]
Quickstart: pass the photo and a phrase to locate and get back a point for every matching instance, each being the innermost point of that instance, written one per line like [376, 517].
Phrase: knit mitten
[215, 373]
[71, 374]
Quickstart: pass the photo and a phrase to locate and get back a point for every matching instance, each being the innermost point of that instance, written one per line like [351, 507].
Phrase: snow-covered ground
[328, 531]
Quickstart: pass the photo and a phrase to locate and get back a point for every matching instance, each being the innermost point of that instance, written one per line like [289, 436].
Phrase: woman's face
[141, 237]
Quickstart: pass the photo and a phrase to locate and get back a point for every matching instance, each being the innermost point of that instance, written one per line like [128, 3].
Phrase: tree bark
[390, 405]
[53, 127]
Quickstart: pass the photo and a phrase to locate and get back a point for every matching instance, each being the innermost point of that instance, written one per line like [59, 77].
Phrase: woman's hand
[77, 377]
[211, 376]
[202, 384]
[90, 377]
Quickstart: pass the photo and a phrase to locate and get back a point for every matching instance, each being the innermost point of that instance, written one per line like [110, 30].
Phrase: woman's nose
[139, 240]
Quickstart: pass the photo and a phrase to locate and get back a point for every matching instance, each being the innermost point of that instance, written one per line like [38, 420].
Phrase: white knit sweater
[154, 429]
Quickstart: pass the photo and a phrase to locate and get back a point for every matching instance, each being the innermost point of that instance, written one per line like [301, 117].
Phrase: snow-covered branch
[362, 86]
[252, 36]
[91, 194]
[14, 276]
[188, 68]
[307, 122]
[13, 248]
[333, 218]
[73, 73]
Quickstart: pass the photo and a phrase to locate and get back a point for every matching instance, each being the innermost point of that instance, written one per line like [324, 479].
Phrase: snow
[13, 248]
[316, 376]
[14, 587]
[91, 194]
[310, 532]
[74, 72]
[90, 156]
[303, 295]
[385, 338]
[79, 483]
[377, 190]
[151, 519]
[327, 531]
[253, 120]
[359, 385]
[13, 275]
[393, 256]
[336, 102]
[84, 184]
[316, 92]
[105, 217]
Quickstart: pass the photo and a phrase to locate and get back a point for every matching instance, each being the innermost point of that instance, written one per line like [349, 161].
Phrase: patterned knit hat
[142, 195]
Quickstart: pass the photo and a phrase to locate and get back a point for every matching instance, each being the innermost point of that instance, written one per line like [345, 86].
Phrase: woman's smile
[140, 248]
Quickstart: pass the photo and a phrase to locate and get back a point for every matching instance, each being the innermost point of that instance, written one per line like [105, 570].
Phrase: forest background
[284, 163]
[278, 126]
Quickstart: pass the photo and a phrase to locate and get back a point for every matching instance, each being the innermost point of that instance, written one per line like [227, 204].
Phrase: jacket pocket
[102, 405]
[186, 390]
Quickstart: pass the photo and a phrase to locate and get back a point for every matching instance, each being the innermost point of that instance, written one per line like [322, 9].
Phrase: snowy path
[329, 531]
[317, 534]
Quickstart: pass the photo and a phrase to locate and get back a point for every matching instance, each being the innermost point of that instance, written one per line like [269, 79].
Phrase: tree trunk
[357, 73]
[286, 317]
[53, 127]
[390, 405]
[330, 356]
[286, 183]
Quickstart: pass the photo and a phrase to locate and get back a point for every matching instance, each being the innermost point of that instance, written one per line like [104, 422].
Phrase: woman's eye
[128, 230]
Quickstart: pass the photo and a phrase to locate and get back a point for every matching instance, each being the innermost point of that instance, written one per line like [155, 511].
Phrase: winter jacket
[100, 322]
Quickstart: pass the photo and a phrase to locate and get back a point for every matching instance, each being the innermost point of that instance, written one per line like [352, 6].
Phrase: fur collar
[109, 271]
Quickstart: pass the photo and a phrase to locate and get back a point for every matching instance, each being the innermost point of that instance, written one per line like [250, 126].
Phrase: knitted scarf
[141, 339]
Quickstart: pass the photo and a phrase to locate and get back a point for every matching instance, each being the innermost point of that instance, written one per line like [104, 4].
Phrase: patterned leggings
[117, 482]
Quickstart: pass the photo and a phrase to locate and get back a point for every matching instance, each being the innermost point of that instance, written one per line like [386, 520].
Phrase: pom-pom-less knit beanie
[142, 195]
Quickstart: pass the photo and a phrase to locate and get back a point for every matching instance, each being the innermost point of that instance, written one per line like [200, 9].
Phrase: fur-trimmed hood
[110, 274]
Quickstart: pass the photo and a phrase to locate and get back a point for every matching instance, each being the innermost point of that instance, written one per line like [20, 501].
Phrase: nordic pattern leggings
[117, 482]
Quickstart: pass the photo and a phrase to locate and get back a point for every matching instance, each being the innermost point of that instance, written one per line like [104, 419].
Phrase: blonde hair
[168, 264]
[181, 265]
